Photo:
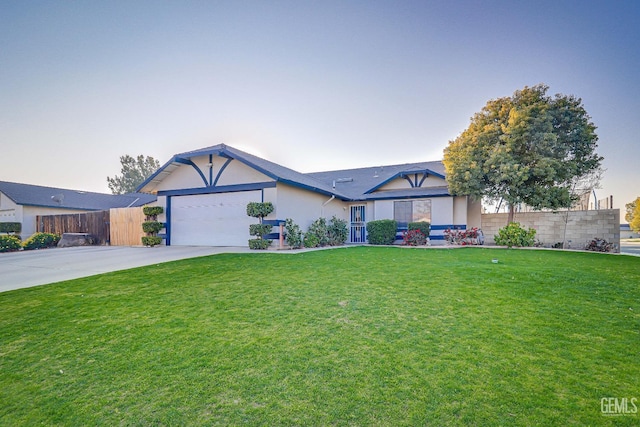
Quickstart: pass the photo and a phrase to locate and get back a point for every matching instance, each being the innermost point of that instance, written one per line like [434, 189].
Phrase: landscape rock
[76, 239]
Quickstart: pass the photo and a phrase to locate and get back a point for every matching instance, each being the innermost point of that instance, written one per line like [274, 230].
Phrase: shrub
[41, 241]
[151, 240]
[514, 235]
[152, 211]
[258, 209]
[10, 227]
[423, 226]
[382, 232]
[259, 243]
[472, 236]
[319, 229]
[311, 240]
[599, 245]
[337, 231]
[152, 227]
[293, 234]
[414, 238]
[259, 230]
[9, 243]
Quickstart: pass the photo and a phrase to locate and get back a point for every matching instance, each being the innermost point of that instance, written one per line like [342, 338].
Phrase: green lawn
[351, 336]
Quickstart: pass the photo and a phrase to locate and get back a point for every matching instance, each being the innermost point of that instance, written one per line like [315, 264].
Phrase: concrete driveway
[31, 268]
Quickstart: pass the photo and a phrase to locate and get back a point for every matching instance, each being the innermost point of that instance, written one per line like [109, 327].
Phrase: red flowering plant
[414, 238]
[472, 236]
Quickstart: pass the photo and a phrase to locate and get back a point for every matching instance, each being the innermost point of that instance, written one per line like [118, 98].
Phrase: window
[406, 211]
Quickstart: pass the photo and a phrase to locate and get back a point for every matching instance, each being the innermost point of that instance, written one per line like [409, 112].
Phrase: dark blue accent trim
[167, 226]
[272, 236]
[211, 169]
[193, 165]
[407, 197]
[312, 188]
[449, 226]
[224, 166]
[403, 174]
[424, 177]
[222, 189]
[274, 222]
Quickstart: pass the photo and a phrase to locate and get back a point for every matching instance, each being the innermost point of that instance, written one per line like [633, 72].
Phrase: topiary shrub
[337, 231]
[151, 240]
[152, 211]
[259, 210]
[41, 241]
[423, 226]
[10, 243]
[514, 235]
[382, 232]
[151, 226]
[10, 227]
[293, 234]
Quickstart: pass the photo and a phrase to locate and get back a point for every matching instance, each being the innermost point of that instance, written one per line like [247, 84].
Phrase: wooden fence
[94, 223]
[126, 226]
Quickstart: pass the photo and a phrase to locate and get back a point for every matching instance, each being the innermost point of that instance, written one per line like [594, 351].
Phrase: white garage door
[212, 219]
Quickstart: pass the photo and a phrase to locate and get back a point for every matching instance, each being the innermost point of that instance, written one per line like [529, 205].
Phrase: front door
[358, 227]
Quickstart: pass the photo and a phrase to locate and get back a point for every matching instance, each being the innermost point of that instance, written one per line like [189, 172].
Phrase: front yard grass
[351, 336]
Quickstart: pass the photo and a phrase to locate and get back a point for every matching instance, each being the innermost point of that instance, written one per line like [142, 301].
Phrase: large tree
[133, 173]
[527, 148]
[634, 218]
[630, 210]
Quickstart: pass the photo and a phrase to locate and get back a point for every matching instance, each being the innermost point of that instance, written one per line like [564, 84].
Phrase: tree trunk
[512, 213]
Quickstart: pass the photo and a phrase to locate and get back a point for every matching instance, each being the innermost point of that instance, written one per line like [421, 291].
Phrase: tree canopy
[133, 173]
[630, 210]
[528, 148]
[633, 216]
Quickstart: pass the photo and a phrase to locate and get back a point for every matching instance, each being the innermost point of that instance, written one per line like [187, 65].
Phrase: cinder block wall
[582, 226]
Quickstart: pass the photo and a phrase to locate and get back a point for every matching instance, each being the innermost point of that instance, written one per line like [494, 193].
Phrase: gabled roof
[273, 170]
[348, 184]
[362, 183]
[51, 197]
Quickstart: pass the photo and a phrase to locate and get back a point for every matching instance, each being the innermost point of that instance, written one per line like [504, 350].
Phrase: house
[205, 193]
[23, 202]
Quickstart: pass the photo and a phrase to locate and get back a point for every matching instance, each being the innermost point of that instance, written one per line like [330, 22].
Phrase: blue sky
[312, 85]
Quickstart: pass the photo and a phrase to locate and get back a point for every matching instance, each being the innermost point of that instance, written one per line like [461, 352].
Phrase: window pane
[402, 211]
[421, 210]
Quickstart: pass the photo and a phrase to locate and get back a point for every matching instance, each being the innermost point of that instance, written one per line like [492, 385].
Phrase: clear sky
[312, 85]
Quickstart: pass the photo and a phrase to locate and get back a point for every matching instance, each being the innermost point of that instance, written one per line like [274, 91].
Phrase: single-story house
[23, 203]
[205, 193]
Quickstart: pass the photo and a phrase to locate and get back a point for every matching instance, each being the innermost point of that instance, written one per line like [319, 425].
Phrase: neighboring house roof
[348, 184]
[36, 195]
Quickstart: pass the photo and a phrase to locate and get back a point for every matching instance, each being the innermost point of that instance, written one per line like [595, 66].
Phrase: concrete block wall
[582, 226]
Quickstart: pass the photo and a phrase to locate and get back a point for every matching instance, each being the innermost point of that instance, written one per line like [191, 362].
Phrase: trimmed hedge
[151, 240]
[10, 227]
[382, 232]
[152, 226]
[258, 209]
[259, 243]
[10, 243]
[515, 235]
[152, 211]
[41, 241]
[423, 226]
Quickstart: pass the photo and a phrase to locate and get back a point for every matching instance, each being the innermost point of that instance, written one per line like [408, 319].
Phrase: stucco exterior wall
[582, 226]
[400, 183]
[9, 211]
[185, 176]
[304, 206]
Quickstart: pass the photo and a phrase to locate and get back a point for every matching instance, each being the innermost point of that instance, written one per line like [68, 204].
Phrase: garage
[212, 219]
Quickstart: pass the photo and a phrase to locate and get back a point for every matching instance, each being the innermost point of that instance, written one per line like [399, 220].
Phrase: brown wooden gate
[94, 223]
[126, 226]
